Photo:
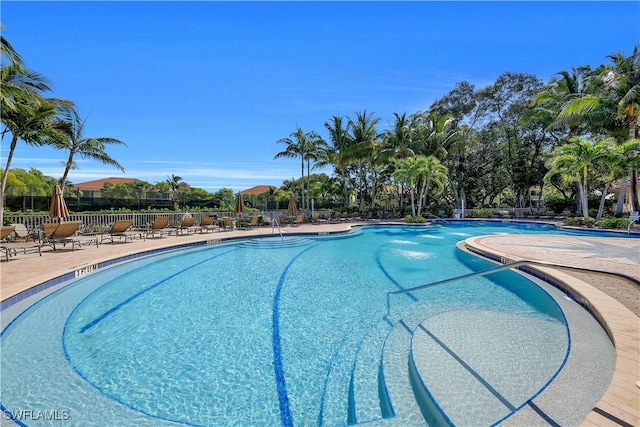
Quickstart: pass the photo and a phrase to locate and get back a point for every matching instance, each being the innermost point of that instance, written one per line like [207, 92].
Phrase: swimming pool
[266, 332]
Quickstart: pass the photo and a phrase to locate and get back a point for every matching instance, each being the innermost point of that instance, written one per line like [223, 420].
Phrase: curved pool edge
[620, 402]
[29, 275]
[69, 265]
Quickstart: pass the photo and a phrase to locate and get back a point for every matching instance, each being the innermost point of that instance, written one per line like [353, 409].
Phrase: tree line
[569, 138]
[485, 147]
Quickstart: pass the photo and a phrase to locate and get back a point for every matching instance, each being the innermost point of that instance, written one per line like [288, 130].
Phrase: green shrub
[414, 219]
[579, 221]
[559, 204]
[613, 223]
[480, 213]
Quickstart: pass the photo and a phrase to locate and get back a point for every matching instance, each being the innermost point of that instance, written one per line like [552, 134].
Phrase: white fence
[103, 220]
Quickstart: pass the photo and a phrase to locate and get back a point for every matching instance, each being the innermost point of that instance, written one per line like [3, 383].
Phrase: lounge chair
[119, 229]
[315, 217]
[252, 223]
[186, 224]
[299, 220]
[227, 223]
[47, 229]
[11, 248]
[64, 233]
[158, 226]
[21, 232]
[5, 231]
[326, 219]
[207, 223]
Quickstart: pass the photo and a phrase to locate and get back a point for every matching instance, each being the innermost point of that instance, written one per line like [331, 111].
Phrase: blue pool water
[266, 332]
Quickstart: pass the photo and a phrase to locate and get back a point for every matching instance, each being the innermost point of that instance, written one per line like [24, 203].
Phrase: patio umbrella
[292, 205]
[58, 209]
[239, 207]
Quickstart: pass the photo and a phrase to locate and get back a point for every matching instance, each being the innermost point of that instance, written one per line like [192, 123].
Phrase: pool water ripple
[228, 334]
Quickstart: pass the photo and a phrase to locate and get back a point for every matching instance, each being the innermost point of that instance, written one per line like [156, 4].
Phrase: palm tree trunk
[308, 184]
[413, 205]
[621, 196]
[302, 182]
[67, 168]
[602, 199]
[5, 175]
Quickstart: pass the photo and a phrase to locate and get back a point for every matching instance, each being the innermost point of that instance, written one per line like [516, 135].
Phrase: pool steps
[276, 242]
[367, 404]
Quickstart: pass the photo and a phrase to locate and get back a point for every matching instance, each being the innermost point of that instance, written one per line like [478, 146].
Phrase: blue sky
[203, 90]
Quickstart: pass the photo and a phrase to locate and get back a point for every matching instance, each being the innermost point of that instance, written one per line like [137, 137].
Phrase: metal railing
[276, 221]
[510, 265]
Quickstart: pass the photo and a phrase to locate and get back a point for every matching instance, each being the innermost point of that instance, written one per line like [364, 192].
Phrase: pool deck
[613, 300]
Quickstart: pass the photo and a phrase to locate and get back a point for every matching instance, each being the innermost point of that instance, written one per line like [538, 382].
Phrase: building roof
[98, 184]
[258, 189]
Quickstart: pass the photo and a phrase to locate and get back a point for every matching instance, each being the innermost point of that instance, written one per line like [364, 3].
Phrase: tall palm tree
[173, 182]
[26, 114]
[399, 140]
[314, 150]
[86, 148]
[613, 105]
[625, 77]
[573, 162]
[432, 172]
[7, 50]
[436, 134]
[18, 82]
[296, 146]
[366, 151]
[563, 89]
[617, 165]
[407, 173]
[339, 153]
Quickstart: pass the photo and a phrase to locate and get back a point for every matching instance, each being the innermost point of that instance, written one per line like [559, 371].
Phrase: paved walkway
[613, 300]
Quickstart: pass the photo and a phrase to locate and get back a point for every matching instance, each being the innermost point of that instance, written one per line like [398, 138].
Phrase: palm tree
[18, 82]
[339, 153]
[617, 165]
[366, 150]
[432, 172]
[314, 150]
[573, 161]
[613, 105]
[563, 89]
[26, 115]
[296, 146]
[399, 141]
[407, 173]
[173, 182]
[436, 134]
[87, 148]
[625, 77]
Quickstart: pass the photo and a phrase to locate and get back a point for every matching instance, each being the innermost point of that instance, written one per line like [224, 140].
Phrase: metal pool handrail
[506, 266]
[276, 221]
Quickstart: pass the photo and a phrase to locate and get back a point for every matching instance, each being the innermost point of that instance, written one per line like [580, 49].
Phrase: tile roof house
[257, 190]
[92, 189]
